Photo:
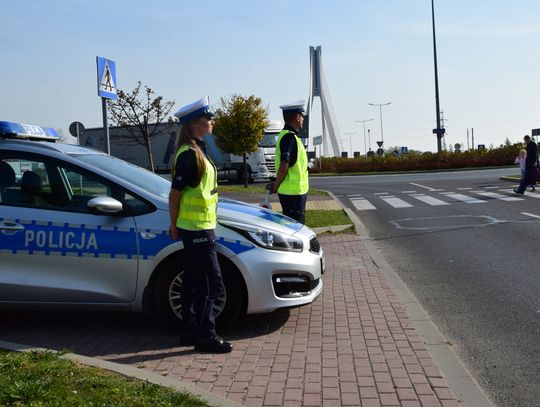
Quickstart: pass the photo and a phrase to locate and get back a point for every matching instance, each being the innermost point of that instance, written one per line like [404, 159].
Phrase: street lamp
[350, 141]
[380, 105]
[364, 123]
[439, 131]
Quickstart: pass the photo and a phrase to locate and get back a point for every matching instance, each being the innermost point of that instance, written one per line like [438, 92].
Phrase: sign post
[76, 129]
[106, 82]
[317, 141]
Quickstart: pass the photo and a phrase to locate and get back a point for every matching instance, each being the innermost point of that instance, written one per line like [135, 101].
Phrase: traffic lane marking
[426, 187]
[531, 215]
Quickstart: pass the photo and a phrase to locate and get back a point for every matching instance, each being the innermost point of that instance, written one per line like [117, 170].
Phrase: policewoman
[292, 182]
[193, 214]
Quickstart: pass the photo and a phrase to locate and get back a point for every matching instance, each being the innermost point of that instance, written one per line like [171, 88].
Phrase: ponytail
[184, 136]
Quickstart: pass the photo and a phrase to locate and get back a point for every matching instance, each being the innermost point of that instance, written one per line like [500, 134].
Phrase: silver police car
[82, 229]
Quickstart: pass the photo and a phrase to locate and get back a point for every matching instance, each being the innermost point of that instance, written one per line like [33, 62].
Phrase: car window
[138, 176]
[85, 186]
[24, 182]
[49, 184]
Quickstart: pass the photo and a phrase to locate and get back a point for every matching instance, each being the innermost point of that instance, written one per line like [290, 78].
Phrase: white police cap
[294, 107]
[194, 110]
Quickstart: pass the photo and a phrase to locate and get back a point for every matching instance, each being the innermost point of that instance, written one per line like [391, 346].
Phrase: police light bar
[27, 131]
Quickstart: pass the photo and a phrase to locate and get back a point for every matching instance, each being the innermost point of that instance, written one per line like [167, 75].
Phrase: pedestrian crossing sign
[106, 76]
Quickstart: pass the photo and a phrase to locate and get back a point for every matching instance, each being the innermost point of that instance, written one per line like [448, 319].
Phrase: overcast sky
[373, 51]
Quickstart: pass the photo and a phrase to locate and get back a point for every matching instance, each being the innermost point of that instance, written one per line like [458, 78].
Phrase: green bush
[427, 161]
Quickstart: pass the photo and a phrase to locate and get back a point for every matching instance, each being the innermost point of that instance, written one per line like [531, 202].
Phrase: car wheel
[235, 304]
[168, 296]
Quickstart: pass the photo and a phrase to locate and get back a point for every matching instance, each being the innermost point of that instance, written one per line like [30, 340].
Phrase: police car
[82, 229]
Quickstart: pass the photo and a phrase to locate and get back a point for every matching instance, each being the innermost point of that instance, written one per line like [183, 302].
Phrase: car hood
[236, 212]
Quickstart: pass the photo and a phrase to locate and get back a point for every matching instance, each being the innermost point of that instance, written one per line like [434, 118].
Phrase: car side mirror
[104, 205]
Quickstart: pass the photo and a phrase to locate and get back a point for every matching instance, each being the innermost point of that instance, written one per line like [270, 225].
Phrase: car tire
[167, 295]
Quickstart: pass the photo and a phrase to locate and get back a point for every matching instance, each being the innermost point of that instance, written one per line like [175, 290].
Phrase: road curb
[132, 372]
[463, 385]
[510, 179]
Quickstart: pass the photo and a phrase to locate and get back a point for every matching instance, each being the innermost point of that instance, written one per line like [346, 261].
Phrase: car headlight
[275, 241]
[269, 239]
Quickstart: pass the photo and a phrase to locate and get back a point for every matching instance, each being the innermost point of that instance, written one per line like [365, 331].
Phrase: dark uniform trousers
[294, 206]
[202, 284]
[528, 178]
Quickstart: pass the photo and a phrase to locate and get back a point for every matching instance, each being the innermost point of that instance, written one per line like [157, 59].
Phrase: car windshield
[138, 176]
[269, 140]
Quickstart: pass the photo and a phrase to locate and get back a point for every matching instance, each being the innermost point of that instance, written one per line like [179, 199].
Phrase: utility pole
[364, 123]
[472, 137]
[439, 131]
[468, 147]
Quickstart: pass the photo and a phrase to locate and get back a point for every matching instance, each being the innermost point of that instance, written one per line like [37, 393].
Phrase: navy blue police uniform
[203, 292]
[202, 274]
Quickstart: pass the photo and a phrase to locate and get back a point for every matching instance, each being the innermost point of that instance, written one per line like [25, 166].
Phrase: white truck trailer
[261, 164]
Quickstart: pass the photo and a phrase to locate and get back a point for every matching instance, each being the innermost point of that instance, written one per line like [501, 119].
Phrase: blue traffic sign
[106, 77]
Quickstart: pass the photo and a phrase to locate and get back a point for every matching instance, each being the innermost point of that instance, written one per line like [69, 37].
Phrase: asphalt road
[467, 247]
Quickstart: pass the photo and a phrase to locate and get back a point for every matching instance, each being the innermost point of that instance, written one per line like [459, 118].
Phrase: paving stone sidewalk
[354, 346]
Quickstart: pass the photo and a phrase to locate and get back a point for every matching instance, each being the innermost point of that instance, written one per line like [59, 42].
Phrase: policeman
[292, 182]
[193, 208]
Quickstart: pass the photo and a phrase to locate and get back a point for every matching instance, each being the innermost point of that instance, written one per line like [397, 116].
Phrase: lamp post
[380, 105]
[439, 131]
[350, 140]
[364, 123]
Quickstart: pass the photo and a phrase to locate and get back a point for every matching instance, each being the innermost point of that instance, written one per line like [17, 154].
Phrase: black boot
[213, 344]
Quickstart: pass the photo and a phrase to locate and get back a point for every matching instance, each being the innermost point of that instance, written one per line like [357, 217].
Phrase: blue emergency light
[27, 131]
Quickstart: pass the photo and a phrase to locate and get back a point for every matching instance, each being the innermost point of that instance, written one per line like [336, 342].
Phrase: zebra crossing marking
[501, 197]
[362, 204]
[463, 198]
[531, 194]
[395, 202]
[430, 200]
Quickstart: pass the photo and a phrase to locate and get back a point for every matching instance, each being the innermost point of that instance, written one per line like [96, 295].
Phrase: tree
[507, 142]
[240, 123]
[140, 113]
[64, 138]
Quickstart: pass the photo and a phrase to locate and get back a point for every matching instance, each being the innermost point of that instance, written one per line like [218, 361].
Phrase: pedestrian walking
[531, 166]
[292, 182]
[193, 215]
[521, 159]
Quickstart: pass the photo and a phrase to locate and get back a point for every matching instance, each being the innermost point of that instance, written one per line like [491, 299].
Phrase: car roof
[43, 146]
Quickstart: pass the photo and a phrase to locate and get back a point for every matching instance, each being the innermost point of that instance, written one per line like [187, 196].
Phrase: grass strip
[316, 218]
[43, 379]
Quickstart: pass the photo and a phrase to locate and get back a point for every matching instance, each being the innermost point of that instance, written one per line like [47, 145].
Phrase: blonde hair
[184, 136]
[523, 152]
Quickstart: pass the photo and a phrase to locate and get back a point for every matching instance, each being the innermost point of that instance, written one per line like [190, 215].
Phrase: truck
[261, 163]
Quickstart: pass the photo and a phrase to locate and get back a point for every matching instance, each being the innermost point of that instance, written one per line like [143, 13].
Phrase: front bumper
[278, 279]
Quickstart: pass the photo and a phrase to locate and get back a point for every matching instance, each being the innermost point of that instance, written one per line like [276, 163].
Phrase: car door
[52, 248]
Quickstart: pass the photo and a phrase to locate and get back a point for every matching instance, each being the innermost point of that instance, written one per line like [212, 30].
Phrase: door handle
[147, 235]
[10, 228]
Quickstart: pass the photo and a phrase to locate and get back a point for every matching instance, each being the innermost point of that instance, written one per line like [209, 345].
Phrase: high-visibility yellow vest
[296, 181]
[198, 205]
